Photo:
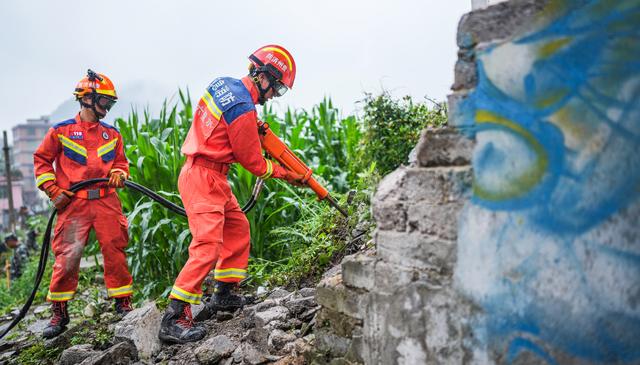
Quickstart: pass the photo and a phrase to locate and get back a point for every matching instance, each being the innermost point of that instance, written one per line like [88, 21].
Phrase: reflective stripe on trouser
[120, 292]
[70, 236]
[231, 273]
[219, 228]
[185, 296]
[60, 296]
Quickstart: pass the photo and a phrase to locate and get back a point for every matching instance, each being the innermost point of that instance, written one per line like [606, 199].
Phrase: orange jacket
[80, 150]
[225, 130]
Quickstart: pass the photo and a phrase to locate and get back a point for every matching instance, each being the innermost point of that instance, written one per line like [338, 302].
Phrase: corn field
[294, 237]
[159, 239]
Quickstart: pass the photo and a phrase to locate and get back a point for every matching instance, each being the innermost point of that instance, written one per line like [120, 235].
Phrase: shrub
[392, 128]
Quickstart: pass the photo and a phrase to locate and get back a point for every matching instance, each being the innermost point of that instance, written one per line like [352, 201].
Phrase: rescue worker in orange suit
[74, 150]
[224, 131]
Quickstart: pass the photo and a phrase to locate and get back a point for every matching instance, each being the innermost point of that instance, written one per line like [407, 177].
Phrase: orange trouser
[70, 237]
[219, 228]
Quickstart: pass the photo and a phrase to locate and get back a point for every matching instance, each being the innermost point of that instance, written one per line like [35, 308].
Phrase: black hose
[257, 188]
[46, 239]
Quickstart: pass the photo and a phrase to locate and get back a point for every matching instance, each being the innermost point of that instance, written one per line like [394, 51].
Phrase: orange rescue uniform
[224, 131]
[82, 150]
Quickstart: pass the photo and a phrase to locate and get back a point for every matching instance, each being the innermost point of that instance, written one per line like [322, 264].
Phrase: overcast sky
[342, 48]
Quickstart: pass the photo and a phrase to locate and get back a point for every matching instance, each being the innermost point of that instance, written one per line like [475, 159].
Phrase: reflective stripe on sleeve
[47, 176]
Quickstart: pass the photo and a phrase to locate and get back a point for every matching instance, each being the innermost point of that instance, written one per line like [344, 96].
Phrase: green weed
[38, 354]
[320, 238]
[392, 128]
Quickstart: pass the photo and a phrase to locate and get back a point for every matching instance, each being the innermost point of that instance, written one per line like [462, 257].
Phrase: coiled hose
[46, 239]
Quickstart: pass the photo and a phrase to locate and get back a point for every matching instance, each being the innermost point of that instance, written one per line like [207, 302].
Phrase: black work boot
[123, 305]
[58, 322]
[223, 299]
[177, 324]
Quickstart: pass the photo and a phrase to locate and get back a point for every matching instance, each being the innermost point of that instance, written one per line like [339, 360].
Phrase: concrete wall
[549, 245]
[397, 304]
[519, 243]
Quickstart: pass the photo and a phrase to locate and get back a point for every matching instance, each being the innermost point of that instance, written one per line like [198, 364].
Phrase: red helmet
[95, 83]
[277, 61]
[101, 91]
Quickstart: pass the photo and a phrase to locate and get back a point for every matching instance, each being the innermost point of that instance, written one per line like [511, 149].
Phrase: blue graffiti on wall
[550, 246]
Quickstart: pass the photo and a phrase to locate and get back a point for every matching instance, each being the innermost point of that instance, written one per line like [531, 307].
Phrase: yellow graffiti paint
[550, 48]
[552, 98]
[523, 183]
[576, 129]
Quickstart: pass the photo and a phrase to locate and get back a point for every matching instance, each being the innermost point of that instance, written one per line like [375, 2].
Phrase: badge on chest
[77, 135]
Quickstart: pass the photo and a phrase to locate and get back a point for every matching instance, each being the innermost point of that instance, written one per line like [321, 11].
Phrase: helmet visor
[105, 102]
[279, 88]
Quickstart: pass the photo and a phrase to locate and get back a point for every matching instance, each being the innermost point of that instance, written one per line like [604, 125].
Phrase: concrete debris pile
[276, 329]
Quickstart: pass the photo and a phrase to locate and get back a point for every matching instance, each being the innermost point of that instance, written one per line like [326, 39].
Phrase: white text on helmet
[276, 61]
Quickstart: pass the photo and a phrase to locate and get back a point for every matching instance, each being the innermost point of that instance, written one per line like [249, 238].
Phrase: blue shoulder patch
[236, 111]
[231, 97]
[66, 122]
[109, 126]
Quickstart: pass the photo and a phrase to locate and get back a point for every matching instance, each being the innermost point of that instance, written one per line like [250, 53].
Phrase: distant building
[26, 139]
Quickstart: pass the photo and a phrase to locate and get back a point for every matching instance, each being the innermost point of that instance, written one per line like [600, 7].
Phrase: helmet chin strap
[261, 92]
[94, 96]
[93, 107]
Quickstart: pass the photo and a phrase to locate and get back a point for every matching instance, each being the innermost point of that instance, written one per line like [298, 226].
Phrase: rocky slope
[277, 328]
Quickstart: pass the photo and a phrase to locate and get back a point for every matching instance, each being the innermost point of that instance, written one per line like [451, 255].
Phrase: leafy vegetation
[294, 237]
[97, 334]
[20, 289]
[38, 354]
[392, 128]
[159, 239]
[319, 239]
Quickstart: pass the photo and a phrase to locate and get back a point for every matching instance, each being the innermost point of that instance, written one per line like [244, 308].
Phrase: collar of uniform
[85, 123]
[253, 90]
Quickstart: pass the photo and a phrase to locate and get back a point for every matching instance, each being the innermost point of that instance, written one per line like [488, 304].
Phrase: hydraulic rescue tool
[281, 152]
